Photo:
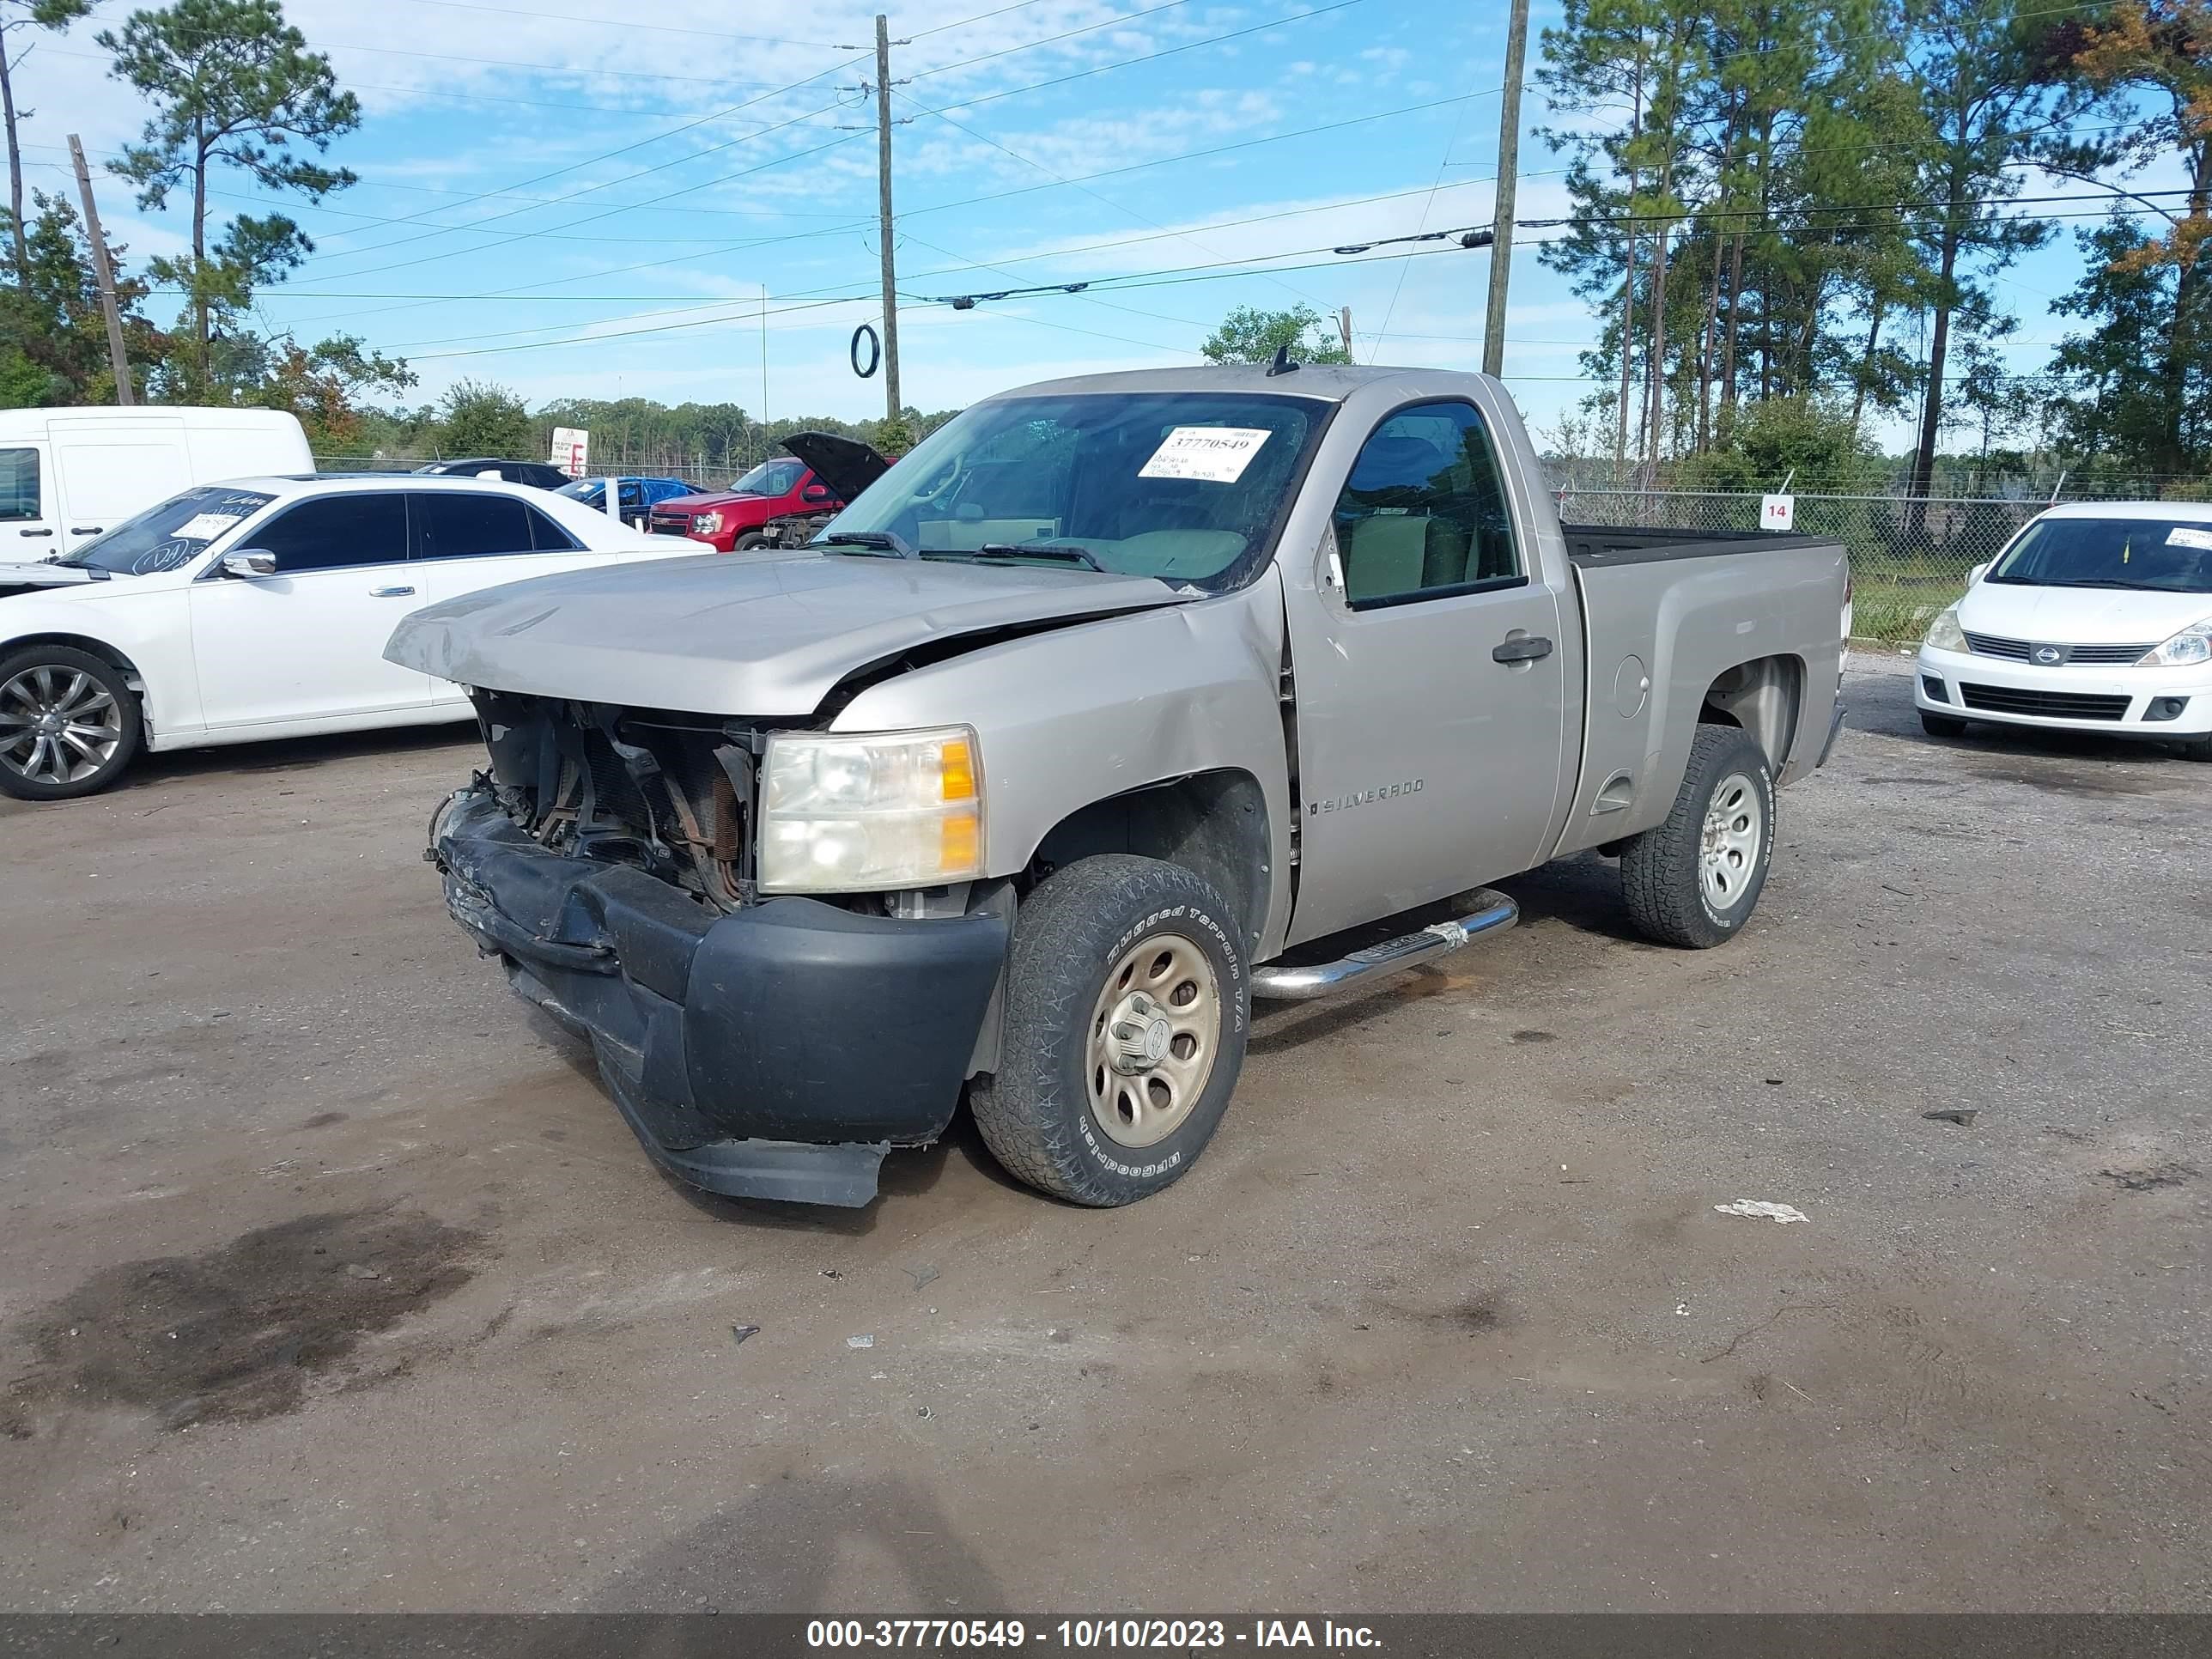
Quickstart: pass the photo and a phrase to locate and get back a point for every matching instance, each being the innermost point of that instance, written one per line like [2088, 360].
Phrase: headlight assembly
[1944, 634]
[871, 811]
[706, 523]
[2190, 647]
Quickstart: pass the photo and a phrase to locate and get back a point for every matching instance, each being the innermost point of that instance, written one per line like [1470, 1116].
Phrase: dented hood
[756, 637]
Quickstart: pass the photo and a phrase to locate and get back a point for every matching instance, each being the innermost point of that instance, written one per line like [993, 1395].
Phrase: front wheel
[1127, 996]
[1694, 880]
[1941, 726]
[68, 724]
[748, 542]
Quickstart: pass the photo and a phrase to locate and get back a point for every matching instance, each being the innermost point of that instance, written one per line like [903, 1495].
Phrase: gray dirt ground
[331, 1281]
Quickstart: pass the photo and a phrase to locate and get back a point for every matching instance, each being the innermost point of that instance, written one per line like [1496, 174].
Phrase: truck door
[1430, 702]
[110, 471]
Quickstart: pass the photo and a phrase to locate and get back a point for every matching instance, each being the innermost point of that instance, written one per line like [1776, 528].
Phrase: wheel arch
[1764, 697]
[1212, 823]
[133, 675]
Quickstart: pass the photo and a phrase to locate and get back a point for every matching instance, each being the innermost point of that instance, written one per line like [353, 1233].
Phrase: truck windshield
[169, 535]
[1188, 487]
[770, 478]
[2160, 556]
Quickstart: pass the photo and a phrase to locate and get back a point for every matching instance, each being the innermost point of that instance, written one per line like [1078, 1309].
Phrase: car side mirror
[250, 563]
[815, 492]
[1979, 572]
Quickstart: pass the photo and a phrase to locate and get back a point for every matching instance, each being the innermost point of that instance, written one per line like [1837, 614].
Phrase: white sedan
[260, 608]
[2096, 617]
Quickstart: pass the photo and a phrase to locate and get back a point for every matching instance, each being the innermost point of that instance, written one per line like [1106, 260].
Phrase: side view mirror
[251, 563]
[815, 492]
[1979, 572]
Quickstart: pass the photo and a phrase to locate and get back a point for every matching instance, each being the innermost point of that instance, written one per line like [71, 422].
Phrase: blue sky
[575, 199]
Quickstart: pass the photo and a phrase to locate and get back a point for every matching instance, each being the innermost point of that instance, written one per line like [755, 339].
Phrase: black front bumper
[776, 1052]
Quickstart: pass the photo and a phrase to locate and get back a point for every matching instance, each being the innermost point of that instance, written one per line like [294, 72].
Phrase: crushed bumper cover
[777, 1052]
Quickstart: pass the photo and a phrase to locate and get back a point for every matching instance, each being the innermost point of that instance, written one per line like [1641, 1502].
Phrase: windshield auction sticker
[205, 526]
[1213, 454]
[2186, 537]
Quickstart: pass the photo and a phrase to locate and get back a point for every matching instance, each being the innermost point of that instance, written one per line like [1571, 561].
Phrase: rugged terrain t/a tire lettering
[1695, 879]
[1128, 999]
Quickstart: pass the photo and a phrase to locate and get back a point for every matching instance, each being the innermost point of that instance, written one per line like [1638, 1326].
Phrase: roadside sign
[572, 448]
[1777, 512]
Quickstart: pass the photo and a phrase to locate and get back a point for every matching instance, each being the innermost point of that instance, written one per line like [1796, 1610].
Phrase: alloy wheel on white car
[68, 724]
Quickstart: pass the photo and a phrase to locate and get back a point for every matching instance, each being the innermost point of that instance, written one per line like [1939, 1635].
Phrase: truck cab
[1122, 702]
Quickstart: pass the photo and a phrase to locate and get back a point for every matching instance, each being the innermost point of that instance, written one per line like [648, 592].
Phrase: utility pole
[1344, 329]
[891, 403]
[1508, 156]
[105, 273]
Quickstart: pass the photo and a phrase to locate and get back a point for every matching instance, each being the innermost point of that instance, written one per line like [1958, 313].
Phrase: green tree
[232, 84]
[54, 337]
[15, 15]
[1983, 72]
[2155, 56]
[479, 417]
[2128, 400]
[1248, 335]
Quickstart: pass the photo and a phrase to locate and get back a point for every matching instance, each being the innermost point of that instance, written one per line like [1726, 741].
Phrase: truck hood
[846, 464]
[753, 637]
[2079, 615]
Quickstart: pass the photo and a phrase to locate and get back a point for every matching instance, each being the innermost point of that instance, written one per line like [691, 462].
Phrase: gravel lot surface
[329, 1279]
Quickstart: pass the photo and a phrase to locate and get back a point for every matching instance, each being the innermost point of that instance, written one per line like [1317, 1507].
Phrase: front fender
[1087, 711]
[167, 692]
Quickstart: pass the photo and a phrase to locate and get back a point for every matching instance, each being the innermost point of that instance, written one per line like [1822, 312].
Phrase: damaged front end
[765, 1047]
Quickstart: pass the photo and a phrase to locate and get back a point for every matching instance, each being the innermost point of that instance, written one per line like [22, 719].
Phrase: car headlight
[2192, 646]
[706, 523]
[1944, 634]
[871, 811]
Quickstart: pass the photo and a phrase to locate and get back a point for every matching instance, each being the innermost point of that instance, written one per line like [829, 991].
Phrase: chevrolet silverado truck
[1115, 706]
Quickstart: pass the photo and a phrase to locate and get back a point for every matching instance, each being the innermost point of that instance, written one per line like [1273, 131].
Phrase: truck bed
[1594, 545]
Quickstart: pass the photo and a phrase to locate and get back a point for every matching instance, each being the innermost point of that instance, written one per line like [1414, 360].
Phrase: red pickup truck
[822, 473]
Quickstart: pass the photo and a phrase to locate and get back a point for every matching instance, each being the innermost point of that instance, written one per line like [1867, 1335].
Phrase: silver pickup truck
[1102, 714]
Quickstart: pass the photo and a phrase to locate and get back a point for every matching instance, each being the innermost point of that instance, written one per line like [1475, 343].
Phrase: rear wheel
[1127, 1001]
[1941, 726]
[69, 724]
[1695, 879]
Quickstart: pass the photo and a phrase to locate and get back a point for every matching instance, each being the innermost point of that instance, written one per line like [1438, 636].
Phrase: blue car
[637, 497]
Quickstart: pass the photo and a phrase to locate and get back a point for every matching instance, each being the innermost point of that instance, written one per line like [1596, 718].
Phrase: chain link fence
[1908, 557]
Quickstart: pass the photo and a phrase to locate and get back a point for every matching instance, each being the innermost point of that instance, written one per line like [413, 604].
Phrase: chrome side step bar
[1494, 914]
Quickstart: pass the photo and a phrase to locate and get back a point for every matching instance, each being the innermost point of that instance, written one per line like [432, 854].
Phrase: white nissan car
[2096, 617]
[259, 608]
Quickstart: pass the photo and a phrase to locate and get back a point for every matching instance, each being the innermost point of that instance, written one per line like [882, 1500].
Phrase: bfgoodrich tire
[68, 724]
[1695, 879]
[1127, 997]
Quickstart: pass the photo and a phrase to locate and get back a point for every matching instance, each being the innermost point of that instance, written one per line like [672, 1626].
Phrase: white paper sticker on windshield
[205, 526]
[2200, 538]
[1214, 454]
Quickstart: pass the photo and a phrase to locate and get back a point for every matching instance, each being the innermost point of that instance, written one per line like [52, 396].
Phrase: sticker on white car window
[205, 526]
[2186, 537]
[1211, 454]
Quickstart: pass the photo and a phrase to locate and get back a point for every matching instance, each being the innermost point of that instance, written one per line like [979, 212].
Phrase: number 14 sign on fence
[1777, 513]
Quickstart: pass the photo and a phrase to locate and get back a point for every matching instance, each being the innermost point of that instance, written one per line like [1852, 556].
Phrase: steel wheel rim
[1728, 848]
[58, 726]
[1154, 1032]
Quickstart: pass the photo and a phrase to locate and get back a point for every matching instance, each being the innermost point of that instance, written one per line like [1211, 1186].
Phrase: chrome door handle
[389, 592]
[34, 532]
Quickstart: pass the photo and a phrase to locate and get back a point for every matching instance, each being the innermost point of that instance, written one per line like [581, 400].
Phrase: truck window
[19, 483]
[1423, 513]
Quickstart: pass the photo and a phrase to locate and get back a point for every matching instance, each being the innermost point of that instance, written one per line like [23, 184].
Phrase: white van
[67, 475]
